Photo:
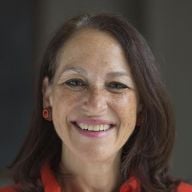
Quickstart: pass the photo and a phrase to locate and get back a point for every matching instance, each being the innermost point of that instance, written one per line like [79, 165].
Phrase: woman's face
[93, 97]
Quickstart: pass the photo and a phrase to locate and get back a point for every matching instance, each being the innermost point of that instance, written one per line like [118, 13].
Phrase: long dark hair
[147, 152]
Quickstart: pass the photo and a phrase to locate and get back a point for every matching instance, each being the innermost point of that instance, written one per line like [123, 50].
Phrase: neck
[90, 176]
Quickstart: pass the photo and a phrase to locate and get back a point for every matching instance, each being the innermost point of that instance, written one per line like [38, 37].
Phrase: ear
[46, 92]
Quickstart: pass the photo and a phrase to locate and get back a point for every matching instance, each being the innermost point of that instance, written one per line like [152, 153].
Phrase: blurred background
[27, 26]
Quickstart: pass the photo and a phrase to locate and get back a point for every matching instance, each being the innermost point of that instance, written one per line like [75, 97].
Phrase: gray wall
[165, 24]
[169, 25]
[15, 75]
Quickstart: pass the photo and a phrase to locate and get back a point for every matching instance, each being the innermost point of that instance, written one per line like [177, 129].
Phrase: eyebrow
[74, 69]
[80, 70]
[118, 74]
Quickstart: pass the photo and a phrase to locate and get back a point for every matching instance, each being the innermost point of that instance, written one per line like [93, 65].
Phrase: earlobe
[46, 92]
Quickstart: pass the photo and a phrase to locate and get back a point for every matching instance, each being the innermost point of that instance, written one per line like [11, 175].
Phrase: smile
[89, 127]
[93, 128]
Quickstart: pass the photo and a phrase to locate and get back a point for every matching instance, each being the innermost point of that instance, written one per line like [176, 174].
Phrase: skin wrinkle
[97, 53]
[70, 70]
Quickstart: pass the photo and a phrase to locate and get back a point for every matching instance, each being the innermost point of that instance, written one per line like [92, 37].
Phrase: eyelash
[80, 84]
[117, 85]
[75, 83]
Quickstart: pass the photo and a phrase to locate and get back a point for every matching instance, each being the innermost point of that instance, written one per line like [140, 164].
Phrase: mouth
[90, 130]
[89, 127]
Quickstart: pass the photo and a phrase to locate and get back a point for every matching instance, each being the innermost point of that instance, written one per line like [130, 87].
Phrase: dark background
[26, 27]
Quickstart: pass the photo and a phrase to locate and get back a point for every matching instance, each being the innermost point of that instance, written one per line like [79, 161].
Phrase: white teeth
[94, 127]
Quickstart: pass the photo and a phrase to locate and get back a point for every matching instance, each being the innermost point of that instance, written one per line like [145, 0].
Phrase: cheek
[126, 109]
[64, 103]
[126, 105]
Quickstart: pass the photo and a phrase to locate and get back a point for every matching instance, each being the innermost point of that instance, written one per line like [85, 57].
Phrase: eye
[75, 83]
[117, 86]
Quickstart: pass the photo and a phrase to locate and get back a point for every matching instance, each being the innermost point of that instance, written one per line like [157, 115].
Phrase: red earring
[47, 113]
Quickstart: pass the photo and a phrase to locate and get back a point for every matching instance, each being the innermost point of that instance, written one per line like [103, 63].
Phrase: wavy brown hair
[147, 152]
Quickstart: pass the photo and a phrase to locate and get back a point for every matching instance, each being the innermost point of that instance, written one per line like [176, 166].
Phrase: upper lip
[93, 121]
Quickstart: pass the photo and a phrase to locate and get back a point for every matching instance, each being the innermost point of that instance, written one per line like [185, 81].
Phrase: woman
[102, 120]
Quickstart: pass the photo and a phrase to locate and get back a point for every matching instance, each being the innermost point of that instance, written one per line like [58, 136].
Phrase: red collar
[51, 185]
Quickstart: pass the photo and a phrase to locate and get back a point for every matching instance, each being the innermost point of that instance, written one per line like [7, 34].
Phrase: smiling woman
[102, 120]
[89, 81]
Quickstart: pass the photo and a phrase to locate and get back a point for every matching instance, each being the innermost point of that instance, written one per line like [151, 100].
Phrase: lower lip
[93, 134]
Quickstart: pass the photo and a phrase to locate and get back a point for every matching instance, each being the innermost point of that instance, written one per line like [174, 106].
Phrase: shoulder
[7, 189]
[183, 187]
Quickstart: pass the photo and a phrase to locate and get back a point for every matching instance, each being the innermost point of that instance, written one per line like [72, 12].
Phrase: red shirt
[131, 185]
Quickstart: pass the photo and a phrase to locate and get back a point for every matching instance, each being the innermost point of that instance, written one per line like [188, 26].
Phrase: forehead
[92, 47]
[88, 40]
[93, 36]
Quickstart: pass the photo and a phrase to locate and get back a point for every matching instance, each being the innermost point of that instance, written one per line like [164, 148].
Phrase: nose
[95, 102]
